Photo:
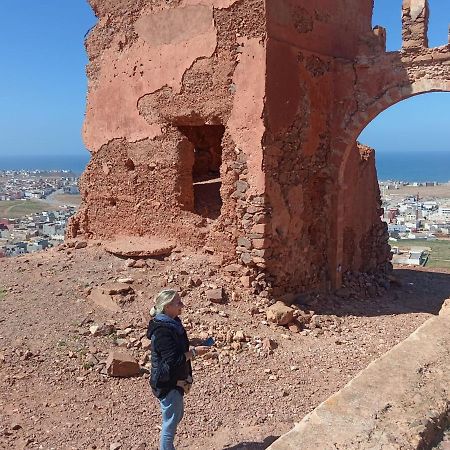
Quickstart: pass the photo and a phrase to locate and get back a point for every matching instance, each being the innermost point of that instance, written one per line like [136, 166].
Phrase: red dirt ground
[54, 396]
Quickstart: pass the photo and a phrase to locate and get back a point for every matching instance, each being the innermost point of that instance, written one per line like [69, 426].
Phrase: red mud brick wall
[155, 68]
[365, 234]
[304, 40]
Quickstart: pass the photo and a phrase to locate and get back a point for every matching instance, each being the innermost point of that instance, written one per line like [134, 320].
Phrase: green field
[21, 208]
[439, 255]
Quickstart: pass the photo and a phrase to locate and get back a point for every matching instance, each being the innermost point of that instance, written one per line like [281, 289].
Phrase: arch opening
[362, 229]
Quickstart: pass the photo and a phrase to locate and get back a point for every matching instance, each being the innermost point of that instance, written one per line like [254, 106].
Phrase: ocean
[413, 166]
[401, 166]
[75, 163]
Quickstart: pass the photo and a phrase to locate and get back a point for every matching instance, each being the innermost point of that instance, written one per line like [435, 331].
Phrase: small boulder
[122, 364]
[239, 336]
[295, 327]
[246, 281]
[145, 343]
[127, 280]
[102, 330]
[269, 344]
[280, 313]
[122, 342]
[117, 288]
[124, 333]
[140, 264]
[104, 300]
[232, 268]
[215, 295]
[80, 244]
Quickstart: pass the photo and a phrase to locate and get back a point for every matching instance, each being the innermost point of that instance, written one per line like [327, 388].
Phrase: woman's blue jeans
[172, 408]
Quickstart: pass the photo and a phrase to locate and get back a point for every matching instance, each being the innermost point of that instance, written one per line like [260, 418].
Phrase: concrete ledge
[400, 401]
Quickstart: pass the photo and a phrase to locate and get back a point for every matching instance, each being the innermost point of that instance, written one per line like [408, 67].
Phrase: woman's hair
[161, 300]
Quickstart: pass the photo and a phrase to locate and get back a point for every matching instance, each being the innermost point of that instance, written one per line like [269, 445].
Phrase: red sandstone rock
[139, 247]
[269, 344]
[122, 364]
[215, 295]
[295, 327]
[280, 313]
[104, 300]
[246, 281]
[116, 288]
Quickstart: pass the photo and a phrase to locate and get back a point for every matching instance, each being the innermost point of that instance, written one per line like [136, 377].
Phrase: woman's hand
[197, 351]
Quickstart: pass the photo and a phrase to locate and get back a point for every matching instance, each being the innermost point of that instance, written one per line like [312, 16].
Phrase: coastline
[399, 166]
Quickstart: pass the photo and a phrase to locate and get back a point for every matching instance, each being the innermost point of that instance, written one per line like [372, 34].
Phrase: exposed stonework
[232, 125]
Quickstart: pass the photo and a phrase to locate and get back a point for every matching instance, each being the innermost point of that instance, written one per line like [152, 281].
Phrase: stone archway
[389, 98]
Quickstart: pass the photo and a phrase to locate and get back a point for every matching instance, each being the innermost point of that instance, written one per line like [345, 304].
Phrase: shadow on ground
[415, 291]
[254, 445]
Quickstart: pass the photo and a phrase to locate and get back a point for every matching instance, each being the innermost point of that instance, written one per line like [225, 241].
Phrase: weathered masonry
[232, 124]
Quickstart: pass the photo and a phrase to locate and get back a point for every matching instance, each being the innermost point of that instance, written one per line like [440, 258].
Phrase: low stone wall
[400, 401]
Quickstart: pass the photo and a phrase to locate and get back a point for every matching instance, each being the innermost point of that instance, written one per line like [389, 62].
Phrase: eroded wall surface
[365, 247]
[287, 85]
[304, 41]
[156, 68]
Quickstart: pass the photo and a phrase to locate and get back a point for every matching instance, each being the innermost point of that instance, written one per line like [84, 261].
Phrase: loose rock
[280, 313]
[215, 295]
[121, 364]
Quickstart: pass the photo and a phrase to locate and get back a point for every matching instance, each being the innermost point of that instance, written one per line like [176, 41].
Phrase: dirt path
[52, 398]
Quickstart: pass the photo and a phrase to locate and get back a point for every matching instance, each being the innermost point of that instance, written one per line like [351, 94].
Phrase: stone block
[139, 247]
[261, 243]
[259, 228]
[246, 281]
[122, 364]
[215, 295]
[244, 242]
[280, 314]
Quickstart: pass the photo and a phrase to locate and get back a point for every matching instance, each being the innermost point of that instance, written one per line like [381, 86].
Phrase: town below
[34, 209]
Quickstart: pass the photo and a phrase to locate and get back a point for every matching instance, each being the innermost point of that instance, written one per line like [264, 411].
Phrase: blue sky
[42, 76]
[43, 84]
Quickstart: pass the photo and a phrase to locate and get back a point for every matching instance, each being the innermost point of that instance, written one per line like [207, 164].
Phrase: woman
[171, 373]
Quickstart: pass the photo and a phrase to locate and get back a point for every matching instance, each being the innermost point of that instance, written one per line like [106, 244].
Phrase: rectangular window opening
[206, 181]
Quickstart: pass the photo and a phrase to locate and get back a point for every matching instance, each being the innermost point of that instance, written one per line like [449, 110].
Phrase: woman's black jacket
[169, 363]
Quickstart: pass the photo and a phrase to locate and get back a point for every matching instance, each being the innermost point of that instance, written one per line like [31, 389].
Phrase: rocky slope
[56, 389]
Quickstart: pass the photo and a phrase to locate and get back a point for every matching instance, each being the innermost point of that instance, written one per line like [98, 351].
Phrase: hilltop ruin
[232, 125]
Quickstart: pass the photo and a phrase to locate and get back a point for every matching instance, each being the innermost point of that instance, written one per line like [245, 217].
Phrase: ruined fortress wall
[233, 124]
[157, 74]
[304, 41]
[365, 234]
[370, 84]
